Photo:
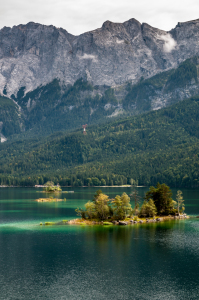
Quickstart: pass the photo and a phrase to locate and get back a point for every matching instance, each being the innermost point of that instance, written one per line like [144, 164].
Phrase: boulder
[122, 223]
[115, 222]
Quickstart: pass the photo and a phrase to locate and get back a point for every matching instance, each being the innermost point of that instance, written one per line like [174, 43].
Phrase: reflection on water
[148, 261]
[134, 262]
[122, 236]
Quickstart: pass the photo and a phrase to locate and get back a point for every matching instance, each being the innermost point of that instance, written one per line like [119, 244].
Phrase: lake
[142, 261]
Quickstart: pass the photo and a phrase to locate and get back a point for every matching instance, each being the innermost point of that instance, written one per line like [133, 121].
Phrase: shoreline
[125, 222]
[70, 186]
[55, 192]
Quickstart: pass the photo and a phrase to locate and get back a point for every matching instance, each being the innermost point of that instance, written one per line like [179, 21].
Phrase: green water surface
[149, 261]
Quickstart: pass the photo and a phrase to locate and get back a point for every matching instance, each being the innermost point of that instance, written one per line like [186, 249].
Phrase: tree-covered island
[50, 187]
[157, 203]
[158, 206]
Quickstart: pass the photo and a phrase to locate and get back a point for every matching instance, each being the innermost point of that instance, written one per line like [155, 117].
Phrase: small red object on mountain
[84, 130]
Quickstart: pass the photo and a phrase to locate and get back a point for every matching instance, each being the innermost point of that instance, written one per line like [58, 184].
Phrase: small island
[158, 206]
[50, 187]
[51, 199]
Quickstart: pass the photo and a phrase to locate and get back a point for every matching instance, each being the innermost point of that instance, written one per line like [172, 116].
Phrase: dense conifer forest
[159, 146]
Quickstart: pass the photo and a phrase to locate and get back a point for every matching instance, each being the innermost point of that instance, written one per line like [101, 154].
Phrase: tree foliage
[160, 146]
[90, 210]
[49, 186]
[102, 207]
[136, 198]
[180, 201]
[162, 198]
[157, 201]
[122, 206]
[148, 209]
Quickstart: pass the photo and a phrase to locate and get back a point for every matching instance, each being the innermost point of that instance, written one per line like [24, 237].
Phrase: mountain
[33, 54]
[53, 108]
[53, 81]
[161, 145]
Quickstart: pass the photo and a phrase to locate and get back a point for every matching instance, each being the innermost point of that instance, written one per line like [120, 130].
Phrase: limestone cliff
[32, 55]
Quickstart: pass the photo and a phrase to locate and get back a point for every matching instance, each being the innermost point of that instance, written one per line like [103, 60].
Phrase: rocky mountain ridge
[32, 55]
[54, 107]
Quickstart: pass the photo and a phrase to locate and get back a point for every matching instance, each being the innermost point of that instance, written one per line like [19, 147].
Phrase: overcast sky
[78, 16]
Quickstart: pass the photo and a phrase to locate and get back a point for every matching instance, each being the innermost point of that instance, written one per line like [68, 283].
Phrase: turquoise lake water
[149, 261]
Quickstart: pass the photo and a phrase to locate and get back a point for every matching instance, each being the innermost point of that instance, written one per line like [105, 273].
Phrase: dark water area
[148, 261]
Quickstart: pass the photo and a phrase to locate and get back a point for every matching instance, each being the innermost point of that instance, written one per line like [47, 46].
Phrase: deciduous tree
[121, 206]
[148, 209]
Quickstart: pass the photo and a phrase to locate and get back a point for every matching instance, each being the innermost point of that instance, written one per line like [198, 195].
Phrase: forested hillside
[157, 146]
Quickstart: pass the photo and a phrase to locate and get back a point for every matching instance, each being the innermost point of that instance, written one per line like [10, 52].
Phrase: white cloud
[169, 44]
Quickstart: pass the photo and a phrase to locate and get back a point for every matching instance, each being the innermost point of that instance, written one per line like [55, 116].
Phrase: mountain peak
[196, 21]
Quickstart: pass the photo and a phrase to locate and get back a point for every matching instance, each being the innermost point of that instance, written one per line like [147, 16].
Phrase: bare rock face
[32, 55]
